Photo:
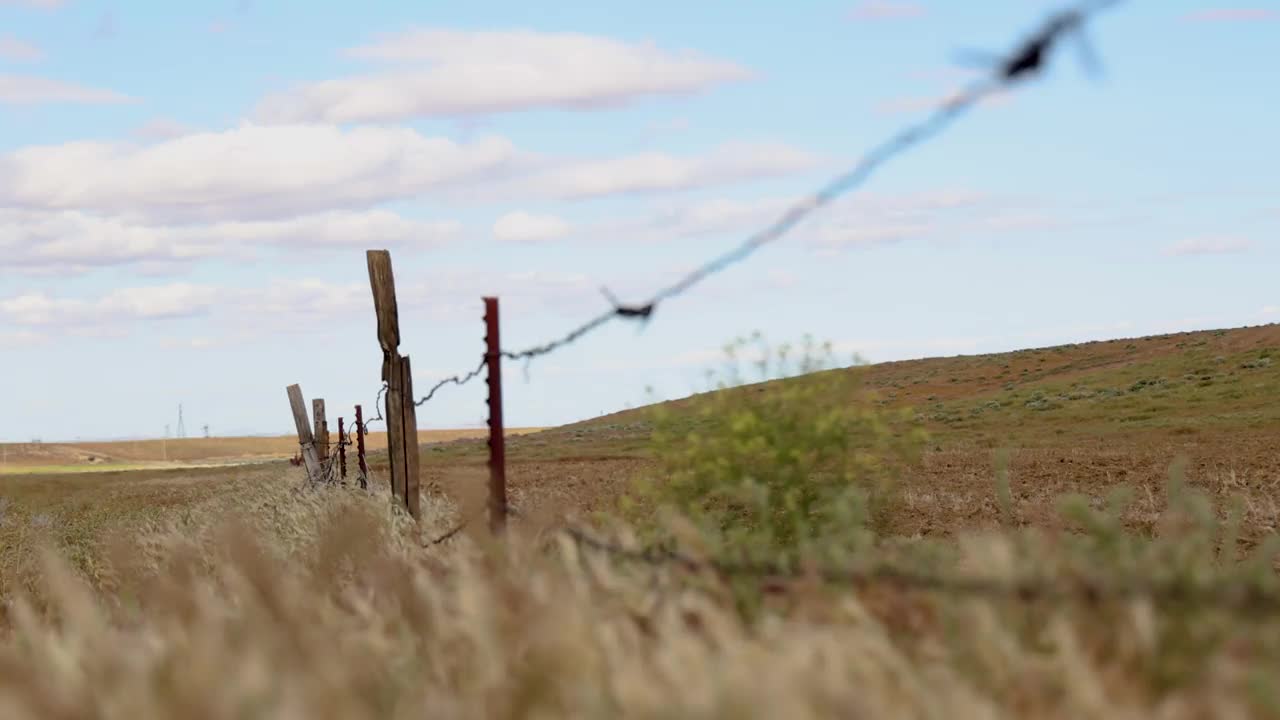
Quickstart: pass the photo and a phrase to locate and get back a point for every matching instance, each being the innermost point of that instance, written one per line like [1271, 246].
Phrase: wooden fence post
[322, 428]
[410, 435]
[305, 439]
[394, 412]
[401, 413]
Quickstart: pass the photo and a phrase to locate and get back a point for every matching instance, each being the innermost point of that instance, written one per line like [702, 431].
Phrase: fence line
[1027, 60]
[1243, 597]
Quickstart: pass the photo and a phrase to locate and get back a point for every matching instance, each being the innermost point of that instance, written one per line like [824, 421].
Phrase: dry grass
[228, 593]
[260, 601]
[26, 457]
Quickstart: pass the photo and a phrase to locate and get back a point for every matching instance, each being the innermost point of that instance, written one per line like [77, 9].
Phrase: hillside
[1176, 384]
[1077, 417]
[1080, 418]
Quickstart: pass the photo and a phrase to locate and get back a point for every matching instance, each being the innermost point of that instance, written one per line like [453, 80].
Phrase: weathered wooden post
[309, 456]
[401, 413]
[412, 495]
[497, 443]
[322, 428]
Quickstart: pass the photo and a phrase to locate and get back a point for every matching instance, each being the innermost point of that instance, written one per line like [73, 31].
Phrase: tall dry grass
[275, 603]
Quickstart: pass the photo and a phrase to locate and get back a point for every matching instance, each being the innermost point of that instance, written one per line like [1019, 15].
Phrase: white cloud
[30, 90]
[125, 304]
[70, 241]
[521, 226]
[80, 205]
[866, 218]
[161, 129]
[1271, 310]
[1217, 245]
[250, 172]
[162, 301]
[21, 339]
[291, 305]
[1232, 15]
[683, 220]
[339, 229]
[43, 4]
[11, 48]
[870, 218]
[657, 172]
[886, 10]
[458, 72]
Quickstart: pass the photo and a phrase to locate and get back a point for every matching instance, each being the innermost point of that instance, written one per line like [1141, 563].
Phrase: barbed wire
[451, 532]
[1237, 596]
[459, 379]
[377, 403]
[1025, 61]
[512, 511]
[1247, 597]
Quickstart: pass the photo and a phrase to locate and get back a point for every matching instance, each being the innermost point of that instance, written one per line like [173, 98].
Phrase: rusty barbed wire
[1027, 59]
[459, 379]
[449, 534]
[377, 403]
[1237, 597]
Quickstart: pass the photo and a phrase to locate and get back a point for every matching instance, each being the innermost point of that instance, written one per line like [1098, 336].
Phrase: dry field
[1079, 418]
[233, 593]
[186, 452]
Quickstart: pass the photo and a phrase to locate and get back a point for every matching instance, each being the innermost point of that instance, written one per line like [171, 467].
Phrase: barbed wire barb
[461, 379]
[1248, 597]
[1027, 59]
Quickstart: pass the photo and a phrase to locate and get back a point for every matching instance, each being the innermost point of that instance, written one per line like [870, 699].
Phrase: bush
[777, 470]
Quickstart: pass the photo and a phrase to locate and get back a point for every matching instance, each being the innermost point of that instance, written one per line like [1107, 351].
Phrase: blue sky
[187, 191]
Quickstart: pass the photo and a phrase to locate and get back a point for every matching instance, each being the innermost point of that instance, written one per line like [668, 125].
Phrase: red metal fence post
[364, 469]
[342, 449]
[497, 446]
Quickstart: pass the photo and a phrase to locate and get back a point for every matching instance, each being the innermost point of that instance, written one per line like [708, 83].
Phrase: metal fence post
[342, 449]
[364, 468]
[497, 446]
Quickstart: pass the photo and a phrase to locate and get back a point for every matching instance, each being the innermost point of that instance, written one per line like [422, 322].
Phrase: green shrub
[782, 471]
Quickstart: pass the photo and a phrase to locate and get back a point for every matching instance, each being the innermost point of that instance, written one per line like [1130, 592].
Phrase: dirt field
[186, 452]
[1078, 418]
[166, 586]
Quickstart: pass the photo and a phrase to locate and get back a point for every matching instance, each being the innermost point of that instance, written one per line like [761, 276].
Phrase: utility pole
[206, 430]
[182, 429]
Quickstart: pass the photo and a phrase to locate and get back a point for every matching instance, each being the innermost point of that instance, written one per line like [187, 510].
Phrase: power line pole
[206, 430]
[182, 429]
